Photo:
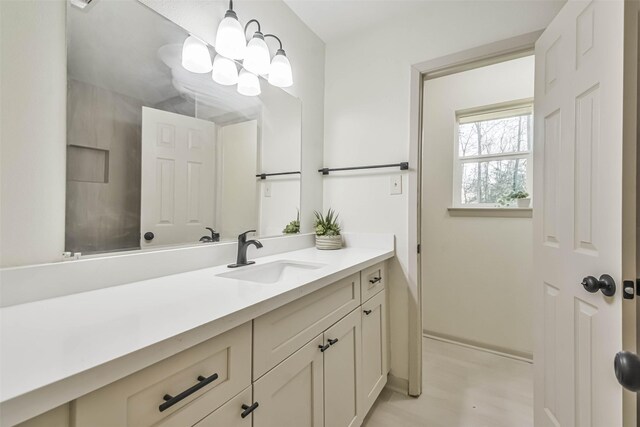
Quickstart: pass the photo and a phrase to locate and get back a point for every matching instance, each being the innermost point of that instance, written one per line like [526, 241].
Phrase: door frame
[493, 53]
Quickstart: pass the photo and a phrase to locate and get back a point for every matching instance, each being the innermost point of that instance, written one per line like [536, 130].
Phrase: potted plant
[327, 230]
[522, 198]
[293, 227]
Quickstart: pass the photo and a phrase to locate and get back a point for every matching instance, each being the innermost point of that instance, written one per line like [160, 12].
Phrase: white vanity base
[57, 350]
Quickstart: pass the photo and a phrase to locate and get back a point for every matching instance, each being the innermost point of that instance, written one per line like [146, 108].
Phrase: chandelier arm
[275, 37]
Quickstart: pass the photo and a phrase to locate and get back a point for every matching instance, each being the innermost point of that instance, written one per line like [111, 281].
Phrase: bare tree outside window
[494, 155]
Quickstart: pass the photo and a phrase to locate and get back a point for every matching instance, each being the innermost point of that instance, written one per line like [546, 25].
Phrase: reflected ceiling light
[230, 38]
[257, 57]
[280, 70]
[248, 83]
[224, 71]
[195, 55]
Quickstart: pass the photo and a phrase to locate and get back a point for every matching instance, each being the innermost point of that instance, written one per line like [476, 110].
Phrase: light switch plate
[267, 189]
[396, 184]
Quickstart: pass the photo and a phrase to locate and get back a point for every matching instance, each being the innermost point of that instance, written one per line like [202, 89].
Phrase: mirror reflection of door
[177, 200]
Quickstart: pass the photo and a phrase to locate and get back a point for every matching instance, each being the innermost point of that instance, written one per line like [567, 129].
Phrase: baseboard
[399, 385]
[523, 357]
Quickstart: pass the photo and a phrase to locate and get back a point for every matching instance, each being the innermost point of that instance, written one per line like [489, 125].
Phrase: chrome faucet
[243, 245]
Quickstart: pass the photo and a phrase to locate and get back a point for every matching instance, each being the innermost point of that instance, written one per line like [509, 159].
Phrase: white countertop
[93, 338]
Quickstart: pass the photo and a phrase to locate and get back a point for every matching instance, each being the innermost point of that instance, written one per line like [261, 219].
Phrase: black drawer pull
[333, 341]
[375, 280]
[248, 409]
[367, 312]
[172, 400]
[323, 348]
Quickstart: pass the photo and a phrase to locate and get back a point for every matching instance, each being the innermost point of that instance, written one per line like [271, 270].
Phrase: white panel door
[578, 215]
[177, 200]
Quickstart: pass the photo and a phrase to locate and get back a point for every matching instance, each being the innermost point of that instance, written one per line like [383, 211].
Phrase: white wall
[476, 271]
[367, 93]
[33, 90]
[33, 85]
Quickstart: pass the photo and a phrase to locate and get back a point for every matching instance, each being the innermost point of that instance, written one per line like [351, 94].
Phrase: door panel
[177, 199]
[578, 216]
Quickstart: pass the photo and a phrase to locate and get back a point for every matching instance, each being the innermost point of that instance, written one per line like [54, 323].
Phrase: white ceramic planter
[328, 242]
[524, 203]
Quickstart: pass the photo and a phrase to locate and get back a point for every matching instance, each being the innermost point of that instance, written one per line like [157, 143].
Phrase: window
[493, 156]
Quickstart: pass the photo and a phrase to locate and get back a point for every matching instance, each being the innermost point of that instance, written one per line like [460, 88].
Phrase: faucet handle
[243, 236]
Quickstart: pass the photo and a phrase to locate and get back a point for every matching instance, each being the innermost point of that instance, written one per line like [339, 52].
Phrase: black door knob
[606, 284]
[149, 236]
[627, 367]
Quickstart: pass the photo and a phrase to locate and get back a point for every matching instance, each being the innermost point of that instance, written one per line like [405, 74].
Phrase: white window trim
[490, 112]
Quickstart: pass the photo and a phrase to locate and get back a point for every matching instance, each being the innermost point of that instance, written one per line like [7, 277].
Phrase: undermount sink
[271, 272]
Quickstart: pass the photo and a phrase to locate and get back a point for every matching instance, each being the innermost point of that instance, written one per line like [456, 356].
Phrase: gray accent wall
[103, 131]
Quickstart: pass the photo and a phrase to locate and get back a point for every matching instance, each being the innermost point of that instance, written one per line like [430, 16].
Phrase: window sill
[492, 212]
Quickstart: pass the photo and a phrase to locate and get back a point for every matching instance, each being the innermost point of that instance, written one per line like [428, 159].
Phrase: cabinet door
[229, 414]
[374, 349]
[342, 362]
[290, 395]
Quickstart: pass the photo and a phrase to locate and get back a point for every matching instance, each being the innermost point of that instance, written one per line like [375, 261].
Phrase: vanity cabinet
[325, 372]
[320, 360]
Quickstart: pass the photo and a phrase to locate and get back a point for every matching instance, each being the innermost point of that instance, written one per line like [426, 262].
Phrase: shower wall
[103, 169]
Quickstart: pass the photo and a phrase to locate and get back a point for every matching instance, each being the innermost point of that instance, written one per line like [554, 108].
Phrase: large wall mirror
[159, 156]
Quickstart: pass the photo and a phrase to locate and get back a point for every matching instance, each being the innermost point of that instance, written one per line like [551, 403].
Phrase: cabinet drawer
[373, 280]
[229, 414]
[279, 333]
[135, 400]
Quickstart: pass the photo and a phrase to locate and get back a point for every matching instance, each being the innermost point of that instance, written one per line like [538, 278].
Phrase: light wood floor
[462, 387]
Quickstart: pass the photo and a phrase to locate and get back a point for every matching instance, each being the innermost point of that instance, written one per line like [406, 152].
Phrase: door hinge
[418, 247]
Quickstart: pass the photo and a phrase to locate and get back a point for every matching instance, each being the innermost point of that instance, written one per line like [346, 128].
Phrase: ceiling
[335, 19]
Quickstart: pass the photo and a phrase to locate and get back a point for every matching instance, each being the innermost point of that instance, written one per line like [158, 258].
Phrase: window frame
[490, 112]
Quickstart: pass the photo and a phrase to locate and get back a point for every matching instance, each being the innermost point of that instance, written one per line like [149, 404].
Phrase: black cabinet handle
[248, 409]
[375, 280]
[323, 348]
[172, 400]
[148, 236]
[333, 341]
[367, 312]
